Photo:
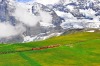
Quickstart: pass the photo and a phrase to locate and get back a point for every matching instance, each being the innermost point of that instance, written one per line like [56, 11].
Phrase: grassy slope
[82, 49]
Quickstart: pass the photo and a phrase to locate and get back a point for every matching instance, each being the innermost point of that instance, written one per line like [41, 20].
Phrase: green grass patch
[77, 49]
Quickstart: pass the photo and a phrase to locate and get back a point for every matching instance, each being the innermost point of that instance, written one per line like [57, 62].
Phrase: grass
[31, 61]
[77, 49]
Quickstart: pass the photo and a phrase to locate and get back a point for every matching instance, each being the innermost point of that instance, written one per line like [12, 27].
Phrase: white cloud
[46, 17]
[21, 13]
[7, 30]
[24, 16]
[45, 2]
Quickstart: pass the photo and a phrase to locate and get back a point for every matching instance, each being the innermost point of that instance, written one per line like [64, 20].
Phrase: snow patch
[91, 31]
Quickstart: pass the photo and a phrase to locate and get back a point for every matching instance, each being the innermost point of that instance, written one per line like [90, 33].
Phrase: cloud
[21, 13]
[7, 30]
[24, 16]
[45, 17]
[45, 2]
[23, 0]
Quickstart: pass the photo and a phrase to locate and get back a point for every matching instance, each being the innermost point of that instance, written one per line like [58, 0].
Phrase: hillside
[76, 49]
[36, 20]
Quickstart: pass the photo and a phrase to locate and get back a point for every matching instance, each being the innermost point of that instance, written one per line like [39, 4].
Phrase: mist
[24, 17]
[46, 17]
[7, 30]
[45, 2]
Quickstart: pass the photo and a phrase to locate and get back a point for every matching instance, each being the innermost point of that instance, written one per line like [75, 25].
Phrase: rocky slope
[38, 20]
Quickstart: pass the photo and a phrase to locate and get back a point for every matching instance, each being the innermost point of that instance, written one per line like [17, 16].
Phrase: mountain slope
[73, 48]
[38, 20]
[78, 13]
[25, 20]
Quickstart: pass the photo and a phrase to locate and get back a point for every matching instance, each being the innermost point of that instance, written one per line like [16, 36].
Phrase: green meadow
[76, 49]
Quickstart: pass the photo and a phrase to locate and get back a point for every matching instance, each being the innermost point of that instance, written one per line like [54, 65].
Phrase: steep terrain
[38, 20]
[26, 20]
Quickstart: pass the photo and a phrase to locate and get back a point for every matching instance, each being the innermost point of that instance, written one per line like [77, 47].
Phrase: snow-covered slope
[41, 19]
[78, 13]
[19, 20]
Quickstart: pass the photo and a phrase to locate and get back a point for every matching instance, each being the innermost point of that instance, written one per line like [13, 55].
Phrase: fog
[7, 30]
[25, 17]
[45, 2]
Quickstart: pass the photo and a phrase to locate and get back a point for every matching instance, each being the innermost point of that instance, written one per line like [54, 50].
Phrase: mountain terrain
[49, 32]
[38, 20]
[78, 48]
